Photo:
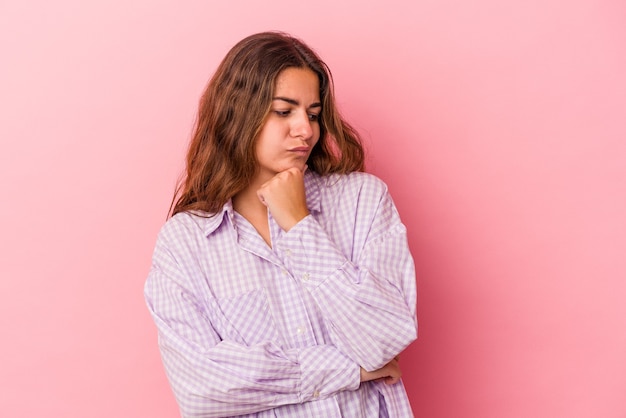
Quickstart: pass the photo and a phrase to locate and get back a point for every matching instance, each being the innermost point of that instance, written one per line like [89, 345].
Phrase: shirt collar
[312, 184]
[212, 222]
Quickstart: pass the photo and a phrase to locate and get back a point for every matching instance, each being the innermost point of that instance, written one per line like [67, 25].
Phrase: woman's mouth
[300, 150]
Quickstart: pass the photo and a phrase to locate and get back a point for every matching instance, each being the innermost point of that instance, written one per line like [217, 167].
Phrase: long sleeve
[211, 377]
[249, 330]
[365, 290]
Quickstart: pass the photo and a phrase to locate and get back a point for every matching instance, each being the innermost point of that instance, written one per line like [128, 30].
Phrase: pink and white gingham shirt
[249, 330]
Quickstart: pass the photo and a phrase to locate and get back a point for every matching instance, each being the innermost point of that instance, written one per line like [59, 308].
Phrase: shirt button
[305, 277]
[299, 330]
[316, 394]
[284, 272]
[288, 252]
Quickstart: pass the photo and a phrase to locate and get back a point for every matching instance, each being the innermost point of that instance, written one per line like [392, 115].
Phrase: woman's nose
[302, 126]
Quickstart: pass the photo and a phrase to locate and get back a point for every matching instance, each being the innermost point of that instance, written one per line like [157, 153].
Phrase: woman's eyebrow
[295, 102]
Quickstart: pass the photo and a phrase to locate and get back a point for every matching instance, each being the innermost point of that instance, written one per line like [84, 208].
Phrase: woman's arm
[368, 302]
[214, 378]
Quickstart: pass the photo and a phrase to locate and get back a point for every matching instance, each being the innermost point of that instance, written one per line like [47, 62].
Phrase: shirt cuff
[325, 371]
[308, 253]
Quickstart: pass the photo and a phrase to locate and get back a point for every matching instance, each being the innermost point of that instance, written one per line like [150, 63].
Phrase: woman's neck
[248, 205]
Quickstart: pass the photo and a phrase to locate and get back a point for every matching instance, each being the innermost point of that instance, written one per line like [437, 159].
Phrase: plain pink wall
[499, 127]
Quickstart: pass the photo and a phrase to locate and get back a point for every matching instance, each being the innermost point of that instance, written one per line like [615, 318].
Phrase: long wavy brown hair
[221, 157]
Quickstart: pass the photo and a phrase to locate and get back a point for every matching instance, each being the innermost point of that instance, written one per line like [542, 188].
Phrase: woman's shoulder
[185, 224]
[357, 181]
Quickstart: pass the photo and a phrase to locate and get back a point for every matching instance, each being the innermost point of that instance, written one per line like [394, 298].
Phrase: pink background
[500, 128]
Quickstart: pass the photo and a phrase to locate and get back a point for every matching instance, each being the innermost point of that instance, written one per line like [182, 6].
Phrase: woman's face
[291, 129]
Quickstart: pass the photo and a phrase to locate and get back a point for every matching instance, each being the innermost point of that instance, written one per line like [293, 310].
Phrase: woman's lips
[300, 150]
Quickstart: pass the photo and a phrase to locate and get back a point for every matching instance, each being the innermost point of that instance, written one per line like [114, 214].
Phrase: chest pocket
[247, 319]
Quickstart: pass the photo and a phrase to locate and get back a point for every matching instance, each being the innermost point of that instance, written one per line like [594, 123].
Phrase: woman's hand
[390, 373]
[285, 197]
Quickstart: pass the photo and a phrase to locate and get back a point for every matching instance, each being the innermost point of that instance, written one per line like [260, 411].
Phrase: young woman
[282, 285]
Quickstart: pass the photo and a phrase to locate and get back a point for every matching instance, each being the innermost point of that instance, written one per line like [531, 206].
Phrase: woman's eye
[282, 113]
[314, 117]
